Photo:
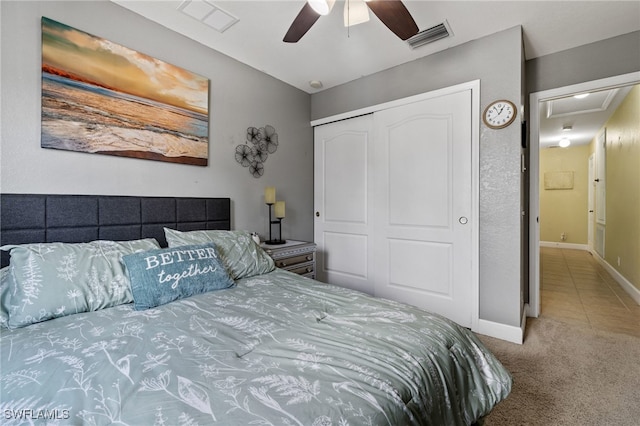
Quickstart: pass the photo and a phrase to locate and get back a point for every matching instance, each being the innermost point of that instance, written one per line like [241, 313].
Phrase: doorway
[533, 307]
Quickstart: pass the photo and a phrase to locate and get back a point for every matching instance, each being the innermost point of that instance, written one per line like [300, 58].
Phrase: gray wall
[496, 60]
[607, 58]
[240, 97]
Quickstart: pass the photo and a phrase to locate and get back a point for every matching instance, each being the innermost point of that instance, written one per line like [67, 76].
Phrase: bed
[80, 344]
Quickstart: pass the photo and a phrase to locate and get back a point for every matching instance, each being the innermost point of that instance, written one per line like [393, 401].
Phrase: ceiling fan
[393, 13]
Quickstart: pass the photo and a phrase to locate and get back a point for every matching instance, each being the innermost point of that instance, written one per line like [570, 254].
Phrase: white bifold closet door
[343, 181]
[393, 198]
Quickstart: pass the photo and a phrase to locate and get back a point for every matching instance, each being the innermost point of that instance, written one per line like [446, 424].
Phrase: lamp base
[275, 242]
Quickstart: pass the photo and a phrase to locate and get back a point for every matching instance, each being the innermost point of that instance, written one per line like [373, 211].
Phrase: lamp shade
[270, 195]
[279, 209]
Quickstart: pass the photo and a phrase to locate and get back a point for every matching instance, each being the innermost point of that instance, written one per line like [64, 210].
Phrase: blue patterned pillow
[162, 276]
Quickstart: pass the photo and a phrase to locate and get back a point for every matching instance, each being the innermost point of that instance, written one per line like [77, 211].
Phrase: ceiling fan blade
[394, 14]
[305, 20]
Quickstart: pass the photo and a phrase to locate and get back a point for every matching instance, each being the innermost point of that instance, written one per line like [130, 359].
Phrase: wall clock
[499, 114]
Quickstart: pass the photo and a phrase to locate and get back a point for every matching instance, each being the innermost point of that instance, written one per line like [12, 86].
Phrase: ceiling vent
[208, 13]
[430, 35]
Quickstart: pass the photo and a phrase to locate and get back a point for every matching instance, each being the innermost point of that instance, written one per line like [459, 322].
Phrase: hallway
[576, 289]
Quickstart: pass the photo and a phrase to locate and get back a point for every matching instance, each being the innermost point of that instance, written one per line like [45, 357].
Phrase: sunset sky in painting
[120, 68]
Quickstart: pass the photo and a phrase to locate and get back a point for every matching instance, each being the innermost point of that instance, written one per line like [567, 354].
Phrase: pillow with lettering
[162, 276]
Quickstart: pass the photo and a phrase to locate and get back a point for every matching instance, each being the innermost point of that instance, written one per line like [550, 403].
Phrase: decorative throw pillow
[56, 279]
[162, 276]
[240, 254]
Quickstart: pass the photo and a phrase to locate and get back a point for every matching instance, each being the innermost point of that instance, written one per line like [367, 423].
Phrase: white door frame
[533, 308]
[591, 206]
[474, 220]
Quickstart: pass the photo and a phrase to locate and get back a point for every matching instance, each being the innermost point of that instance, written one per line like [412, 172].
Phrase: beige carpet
[569, 375]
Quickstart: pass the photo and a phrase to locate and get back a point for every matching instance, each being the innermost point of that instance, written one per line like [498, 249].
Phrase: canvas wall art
[558, 180]
[101, 97]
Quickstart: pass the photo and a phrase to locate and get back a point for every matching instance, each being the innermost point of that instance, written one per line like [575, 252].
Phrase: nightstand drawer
[294, 256]
[302, 269]
[291, 261]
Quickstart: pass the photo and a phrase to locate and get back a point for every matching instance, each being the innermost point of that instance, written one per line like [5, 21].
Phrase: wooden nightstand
[295, 256]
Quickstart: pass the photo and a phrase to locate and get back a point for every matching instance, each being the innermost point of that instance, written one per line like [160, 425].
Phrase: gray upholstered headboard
[31, 218]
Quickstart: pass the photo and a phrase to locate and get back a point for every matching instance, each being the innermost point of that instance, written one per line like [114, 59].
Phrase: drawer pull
[283, 264]
[309, 257]
[309, 269]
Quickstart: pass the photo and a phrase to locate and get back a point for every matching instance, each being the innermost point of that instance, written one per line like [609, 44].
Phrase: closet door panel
[404, 255]
[346, 256]
[419, 171]
[342, 200]
[423, 205]
[345, 178]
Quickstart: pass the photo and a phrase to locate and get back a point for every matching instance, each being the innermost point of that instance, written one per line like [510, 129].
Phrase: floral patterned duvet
[277, 349]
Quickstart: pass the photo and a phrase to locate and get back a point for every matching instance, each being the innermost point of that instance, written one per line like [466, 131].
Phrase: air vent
[208, 13]
[430, 35]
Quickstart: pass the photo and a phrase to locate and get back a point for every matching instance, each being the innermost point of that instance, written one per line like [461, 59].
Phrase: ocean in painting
[78, 116]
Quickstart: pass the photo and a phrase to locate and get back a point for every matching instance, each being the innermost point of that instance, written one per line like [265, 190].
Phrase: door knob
[463, 220]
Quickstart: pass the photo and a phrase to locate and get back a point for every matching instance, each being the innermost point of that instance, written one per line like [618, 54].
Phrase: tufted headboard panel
[32, 218]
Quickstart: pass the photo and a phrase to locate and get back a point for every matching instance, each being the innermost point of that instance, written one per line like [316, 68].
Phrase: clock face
[499, 114]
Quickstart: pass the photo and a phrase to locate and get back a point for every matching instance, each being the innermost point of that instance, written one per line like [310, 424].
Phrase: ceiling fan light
[564, 142]
[322, 7]
[355, 12]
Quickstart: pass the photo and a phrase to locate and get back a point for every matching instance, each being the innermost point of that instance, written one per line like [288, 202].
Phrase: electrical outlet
[563, 236]
[618, 260]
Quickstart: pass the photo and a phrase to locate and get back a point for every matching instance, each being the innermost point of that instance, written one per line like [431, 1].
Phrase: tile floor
[575, 288]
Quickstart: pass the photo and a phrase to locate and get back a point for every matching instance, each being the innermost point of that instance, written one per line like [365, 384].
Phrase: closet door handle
[463, 220]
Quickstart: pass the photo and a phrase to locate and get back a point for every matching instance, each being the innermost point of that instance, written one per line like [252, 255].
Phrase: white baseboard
[571, 246]
[624, 283]
[502, 331]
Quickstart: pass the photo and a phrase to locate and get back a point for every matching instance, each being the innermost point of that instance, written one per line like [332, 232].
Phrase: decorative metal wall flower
[270, 137]
[253, 135]
[260, 152]
[264, 141]
[256, 169]
[243, 155]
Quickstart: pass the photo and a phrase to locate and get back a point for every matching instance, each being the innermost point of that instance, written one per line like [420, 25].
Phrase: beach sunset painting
[101, 97]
